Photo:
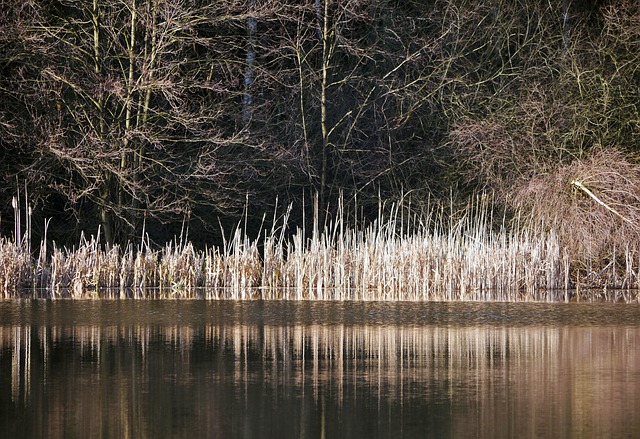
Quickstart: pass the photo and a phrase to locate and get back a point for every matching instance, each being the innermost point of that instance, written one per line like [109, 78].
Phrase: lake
[269, 369]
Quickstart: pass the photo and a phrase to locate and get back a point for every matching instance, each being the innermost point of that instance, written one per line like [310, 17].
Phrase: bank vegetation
[125, 123]
[399, 257]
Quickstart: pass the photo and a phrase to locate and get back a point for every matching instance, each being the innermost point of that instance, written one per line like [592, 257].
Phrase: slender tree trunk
[323, 100]
[566, 26]
[130, 81]
[126, 157]
[250, 70]
[105, 193]
[305, 133]
[150, 56]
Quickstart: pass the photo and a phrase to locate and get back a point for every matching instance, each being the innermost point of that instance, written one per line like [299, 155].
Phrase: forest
[136, 120]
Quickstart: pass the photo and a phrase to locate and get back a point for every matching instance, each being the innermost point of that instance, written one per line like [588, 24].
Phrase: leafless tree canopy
[150, 113]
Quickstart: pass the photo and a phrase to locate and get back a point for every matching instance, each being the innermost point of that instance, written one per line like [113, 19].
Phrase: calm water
[119, 369]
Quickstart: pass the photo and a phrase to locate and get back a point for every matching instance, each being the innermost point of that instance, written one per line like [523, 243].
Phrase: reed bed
[394, 258]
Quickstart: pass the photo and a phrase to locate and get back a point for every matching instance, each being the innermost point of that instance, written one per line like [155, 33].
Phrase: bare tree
[126, 113]
[361, 82]
[171, 109]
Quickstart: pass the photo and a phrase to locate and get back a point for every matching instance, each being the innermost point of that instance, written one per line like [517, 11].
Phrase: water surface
[81, 369]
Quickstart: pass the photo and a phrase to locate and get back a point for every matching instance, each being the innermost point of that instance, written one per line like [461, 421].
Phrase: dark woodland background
[150, 116]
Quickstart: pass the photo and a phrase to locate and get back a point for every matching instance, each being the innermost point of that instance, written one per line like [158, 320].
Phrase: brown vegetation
[593, 203]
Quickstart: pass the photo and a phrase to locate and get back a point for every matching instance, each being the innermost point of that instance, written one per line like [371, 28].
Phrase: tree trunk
[323, 100]
[106, 216]
[566, 26]
[250, 69]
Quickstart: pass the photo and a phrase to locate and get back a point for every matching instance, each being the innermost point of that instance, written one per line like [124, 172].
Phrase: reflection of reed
[381, 355]
[19, 342]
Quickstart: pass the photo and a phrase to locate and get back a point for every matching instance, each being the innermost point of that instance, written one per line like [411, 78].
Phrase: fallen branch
[586, 190]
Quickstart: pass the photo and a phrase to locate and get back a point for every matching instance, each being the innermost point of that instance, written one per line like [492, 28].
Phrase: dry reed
[398, 257]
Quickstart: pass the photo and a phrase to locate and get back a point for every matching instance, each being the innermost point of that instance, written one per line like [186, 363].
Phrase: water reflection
[214, 373]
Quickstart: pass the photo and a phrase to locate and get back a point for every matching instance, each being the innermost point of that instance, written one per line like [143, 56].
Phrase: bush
[593, 203]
